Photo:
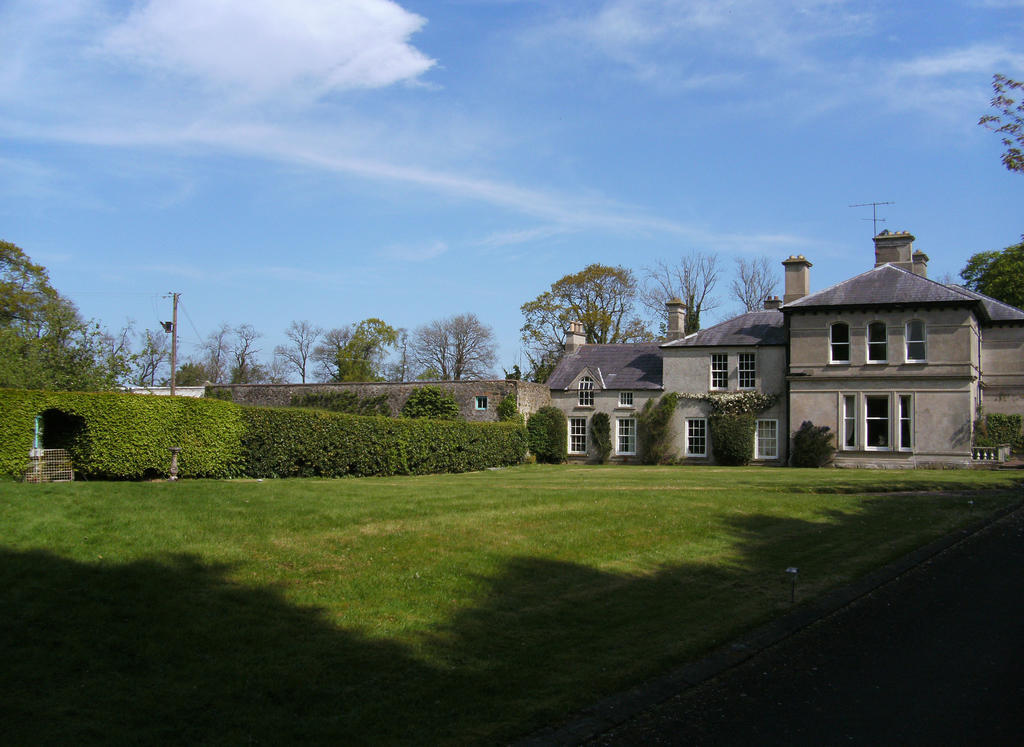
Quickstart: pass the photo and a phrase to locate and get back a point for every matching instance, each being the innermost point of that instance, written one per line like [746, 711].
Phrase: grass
[453, 608]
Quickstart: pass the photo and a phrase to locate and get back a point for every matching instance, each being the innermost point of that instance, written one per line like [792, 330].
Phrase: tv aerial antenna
[875, 220]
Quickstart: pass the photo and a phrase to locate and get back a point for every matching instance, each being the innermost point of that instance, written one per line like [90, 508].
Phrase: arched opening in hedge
[62, 430]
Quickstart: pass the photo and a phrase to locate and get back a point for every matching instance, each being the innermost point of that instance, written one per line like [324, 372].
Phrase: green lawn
[454, 608]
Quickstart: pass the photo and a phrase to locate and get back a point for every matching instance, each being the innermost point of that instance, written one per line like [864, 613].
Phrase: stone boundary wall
[529, 396]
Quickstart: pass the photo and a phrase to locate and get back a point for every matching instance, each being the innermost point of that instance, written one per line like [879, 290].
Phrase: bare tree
[246, 368]
[326, 355]
[303, 336]
[755, 280]
[216, 352]
[155, 351]
[459, 347]
[693, 280]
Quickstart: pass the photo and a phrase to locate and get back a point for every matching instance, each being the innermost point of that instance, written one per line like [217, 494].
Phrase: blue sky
[332, 161]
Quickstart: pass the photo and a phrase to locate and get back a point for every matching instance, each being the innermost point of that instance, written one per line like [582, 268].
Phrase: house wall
[529, 396]
[689, 370]
[606, 401]
[942, 419]
[944, 388]
[1002, 366]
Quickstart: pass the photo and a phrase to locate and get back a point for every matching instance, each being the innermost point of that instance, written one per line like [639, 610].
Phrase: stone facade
[896, 365]
[478, 400]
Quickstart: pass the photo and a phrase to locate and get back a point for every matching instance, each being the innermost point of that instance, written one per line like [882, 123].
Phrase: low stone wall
[530, 397]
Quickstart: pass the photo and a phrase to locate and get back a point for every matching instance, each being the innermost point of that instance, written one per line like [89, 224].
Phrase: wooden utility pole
[174, 337]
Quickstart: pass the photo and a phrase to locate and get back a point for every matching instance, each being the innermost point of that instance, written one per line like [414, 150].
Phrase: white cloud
[267, 46]
[979, 58]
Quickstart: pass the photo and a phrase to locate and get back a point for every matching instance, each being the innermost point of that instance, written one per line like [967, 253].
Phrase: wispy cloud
[978, 58]
[320, 47]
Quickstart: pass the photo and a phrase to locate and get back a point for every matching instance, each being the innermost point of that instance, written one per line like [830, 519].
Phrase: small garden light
[792, 586]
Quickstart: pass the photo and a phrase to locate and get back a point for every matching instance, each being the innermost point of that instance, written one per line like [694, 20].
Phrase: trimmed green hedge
[124, 436]
[127, 436]
[283, 442]
[997, 428]
[732, 437]
[547, 431]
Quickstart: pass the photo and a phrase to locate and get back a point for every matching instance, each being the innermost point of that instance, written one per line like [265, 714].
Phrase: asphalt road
[934, 657]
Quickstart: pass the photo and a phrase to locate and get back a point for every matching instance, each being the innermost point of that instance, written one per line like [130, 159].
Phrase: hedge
[283, 442]
[548, 435]
[732, 437]
[996, 428]
[127, 436]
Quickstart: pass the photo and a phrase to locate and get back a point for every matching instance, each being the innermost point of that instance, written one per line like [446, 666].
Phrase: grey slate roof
[752, 328]
[887, 284]
[634, 365]
[997, 310]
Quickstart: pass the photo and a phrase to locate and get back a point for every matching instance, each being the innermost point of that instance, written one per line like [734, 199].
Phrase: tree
[1009, 122]
[296, 355]
[44, 342]
[755, 280]
[399, 369]
[997, 274]
[217, 352]
[355, 353]
[599, 297]
[191, 374]
[150, 358]
[693, 280]
[459, 347]
[431, 402]
[246, 368]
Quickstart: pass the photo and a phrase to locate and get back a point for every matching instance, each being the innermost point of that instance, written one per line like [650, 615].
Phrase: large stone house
[897, 365]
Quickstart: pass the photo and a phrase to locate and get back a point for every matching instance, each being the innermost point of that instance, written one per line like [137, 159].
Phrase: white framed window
[917, 342]
[719, 371]
[625, 436]
[696, 437]
[481, 402]
[906, 442]
[586, 392]
[625, 399]
[766, 439]
[876, 422]
[748, 370]
[577, 435]
[849, 421]
[839, 342]
[878, 343]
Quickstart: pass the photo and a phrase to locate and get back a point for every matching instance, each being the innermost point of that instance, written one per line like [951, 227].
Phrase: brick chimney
[676, 318]
[772, 303]
[895, 249]
[920, 263]
[798, 281]
[574, 337]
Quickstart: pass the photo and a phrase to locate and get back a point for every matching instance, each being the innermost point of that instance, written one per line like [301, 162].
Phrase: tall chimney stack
[920, 263]
[574, 338]
[798, 281]
[895, 249]
[676, 318]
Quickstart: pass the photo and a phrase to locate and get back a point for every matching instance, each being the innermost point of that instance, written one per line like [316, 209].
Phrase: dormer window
[917, 343]
[586, 392]
[839, 343]
[878, 343]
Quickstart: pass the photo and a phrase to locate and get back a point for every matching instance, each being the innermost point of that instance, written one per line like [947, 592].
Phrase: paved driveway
[935, 657]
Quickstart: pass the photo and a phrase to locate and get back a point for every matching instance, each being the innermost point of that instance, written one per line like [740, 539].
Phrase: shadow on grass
[174, 652]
